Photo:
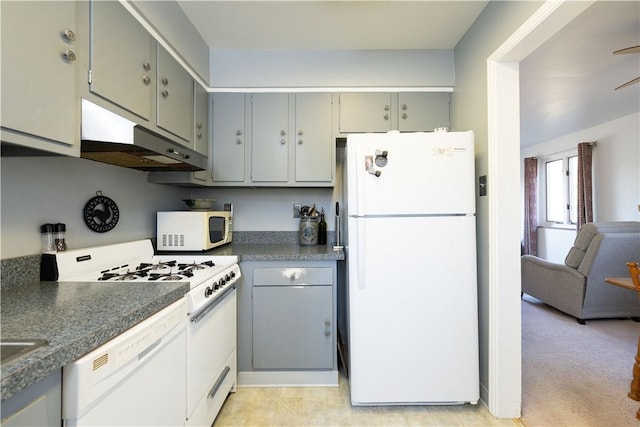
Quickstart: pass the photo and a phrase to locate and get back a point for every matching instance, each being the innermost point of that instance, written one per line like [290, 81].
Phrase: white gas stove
[211, 309]
[208, 276]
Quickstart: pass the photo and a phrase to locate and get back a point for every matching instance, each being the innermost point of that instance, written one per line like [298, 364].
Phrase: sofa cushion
[580, 245]
[574, 257]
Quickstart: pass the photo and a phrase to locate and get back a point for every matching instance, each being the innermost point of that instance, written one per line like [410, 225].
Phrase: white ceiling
[566, 85]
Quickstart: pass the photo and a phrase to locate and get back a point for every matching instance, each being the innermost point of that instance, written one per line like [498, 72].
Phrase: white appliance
[195, 230]
[207, 374]
[411, 268]
[136, 378]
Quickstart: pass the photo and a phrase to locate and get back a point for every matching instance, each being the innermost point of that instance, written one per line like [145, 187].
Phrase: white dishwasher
[136, 379]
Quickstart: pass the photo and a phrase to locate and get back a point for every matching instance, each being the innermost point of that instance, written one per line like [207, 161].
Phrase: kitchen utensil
[199, 203]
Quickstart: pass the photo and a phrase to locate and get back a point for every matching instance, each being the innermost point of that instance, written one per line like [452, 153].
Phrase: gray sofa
[577, 287]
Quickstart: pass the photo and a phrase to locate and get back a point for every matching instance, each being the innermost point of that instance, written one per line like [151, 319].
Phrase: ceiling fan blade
[629, 83]
[631, 49]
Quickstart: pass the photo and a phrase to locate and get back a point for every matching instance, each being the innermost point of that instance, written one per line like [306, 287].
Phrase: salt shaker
[59, 239]
[48, 242]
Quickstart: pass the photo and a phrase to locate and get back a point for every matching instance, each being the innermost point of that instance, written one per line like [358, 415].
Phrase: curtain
[530, 244]
[585, 183]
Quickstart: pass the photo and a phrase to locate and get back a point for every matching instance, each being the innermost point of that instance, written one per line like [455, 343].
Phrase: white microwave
[193, 230]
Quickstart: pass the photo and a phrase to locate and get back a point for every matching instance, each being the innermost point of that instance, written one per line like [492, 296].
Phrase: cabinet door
[122, 58]
[228, 145]
[423, 111]
[269, 137]
[38, 80]
[292, 327]
[201, 128]
[175, 97]
[365, 112]
[313, 144]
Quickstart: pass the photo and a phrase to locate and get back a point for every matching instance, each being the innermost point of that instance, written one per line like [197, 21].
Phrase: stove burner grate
[129, 275]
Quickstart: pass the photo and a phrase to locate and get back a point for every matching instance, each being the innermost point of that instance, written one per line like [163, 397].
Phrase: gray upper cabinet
[175, 97]
[313, 144]
[122, 59]
[273, 139]
[201, 123]
[229, 140]
[365, 112]
[423, 111]
[270, 137]
[40, 108]
[404, 111]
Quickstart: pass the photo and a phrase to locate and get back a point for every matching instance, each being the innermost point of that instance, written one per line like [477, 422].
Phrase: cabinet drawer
[292, 276]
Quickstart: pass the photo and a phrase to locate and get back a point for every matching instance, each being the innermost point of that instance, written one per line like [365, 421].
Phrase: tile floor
[330, 406]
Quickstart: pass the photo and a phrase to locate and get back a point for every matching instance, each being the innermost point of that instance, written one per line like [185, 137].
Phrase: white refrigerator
[411, 268]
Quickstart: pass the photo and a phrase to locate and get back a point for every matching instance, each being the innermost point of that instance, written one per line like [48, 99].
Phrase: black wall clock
[101, 214]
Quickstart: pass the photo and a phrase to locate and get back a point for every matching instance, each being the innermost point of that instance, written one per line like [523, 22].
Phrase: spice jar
[48, 242]
[59, 236]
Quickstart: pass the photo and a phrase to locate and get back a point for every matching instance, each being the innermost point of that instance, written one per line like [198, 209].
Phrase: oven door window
[216, 229]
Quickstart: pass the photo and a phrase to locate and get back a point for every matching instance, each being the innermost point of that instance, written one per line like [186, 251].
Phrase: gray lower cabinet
[40, 109]
[287, 321]
[38, 405]
[292, 326]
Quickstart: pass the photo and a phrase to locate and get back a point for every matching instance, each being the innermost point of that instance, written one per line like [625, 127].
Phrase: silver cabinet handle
[238, 141]
[199, 125]
[386, 107]
[300, 132]
[404, 107]
[69, 35]
[283, 132]
[300, 142]
[386, 117]
[174, 151]
[146, 66]
[146, 80]
[69, 55]
[165, 81]
[283, 141]
[199, 135]
[165, 93]
[404, 115]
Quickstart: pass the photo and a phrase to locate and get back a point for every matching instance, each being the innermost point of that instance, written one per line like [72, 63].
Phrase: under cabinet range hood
[110, 138]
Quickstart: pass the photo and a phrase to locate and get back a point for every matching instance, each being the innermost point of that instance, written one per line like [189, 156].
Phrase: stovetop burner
[129, 275]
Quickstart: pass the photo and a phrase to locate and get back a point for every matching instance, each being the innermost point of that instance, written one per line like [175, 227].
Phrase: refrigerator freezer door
[422, 173]
[413, 310]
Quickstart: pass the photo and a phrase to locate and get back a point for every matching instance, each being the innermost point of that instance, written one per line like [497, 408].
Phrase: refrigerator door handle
[361, 248]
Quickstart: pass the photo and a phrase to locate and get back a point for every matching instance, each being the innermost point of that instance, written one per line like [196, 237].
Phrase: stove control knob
[208, 292]
[233, 274]
[227, 278]
[221, 283]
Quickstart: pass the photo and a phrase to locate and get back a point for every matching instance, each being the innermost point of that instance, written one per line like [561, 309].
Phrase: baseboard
[288, 379]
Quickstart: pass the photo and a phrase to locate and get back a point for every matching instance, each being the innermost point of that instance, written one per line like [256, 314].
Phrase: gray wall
[37, 190]
[469, 111]
[329, 68]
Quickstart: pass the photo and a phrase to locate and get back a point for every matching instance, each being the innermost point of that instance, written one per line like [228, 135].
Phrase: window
[560, 190]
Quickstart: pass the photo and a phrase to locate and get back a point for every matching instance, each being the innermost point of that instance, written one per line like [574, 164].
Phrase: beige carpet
[576, 375]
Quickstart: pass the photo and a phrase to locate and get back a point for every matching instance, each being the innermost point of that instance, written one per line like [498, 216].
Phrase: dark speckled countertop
[74, 318]
[279, 252]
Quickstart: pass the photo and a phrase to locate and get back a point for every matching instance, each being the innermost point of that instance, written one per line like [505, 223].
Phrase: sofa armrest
[558, 285]
[538, 265]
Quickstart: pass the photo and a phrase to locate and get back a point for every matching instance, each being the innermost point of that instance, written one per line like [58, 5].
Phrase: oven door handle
[202, 313]
[219, 382]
